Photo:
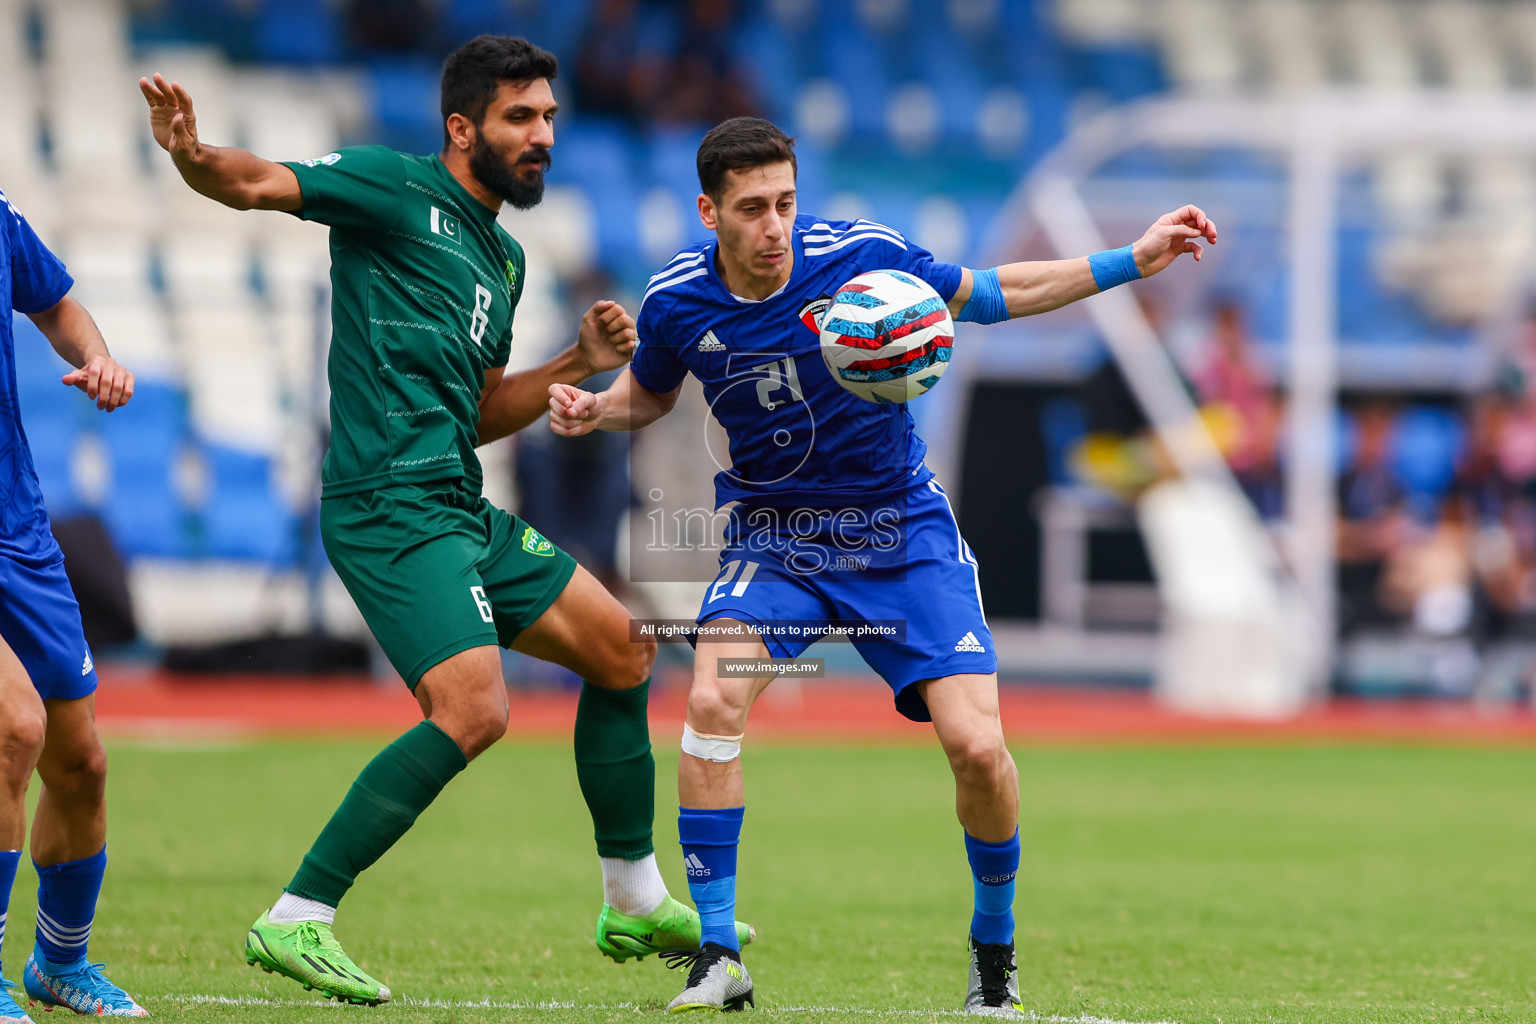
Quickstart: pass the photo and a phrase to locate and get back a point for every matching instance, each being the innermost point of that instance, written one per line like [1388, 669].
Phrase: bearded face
[517, 177]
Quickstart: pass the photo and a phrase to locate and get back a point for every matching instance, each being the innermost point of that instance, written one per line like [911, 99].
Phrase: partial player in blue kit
[47, 678]
[834, 516]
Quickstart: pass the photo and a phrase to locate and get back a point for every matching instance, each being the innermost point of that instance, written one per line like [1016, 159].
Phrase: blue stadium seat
[38, 367]
[855, 59]
[597, 156]
[298, 32]
[405, 103]
[465, 19]
[244, 518]
[772, 65]
[981, 216]
[1427, 440]
[52, 440]
[893, 206]
[1368, 311]
[1062, 424]
[1050, 105]
[1268, 308]
[561, 25]
[948, 68]
[143, 439]
[52, 416]
[672, 162]
[1346, 439]
[813, 186]
[1125, 73]
[231, 24]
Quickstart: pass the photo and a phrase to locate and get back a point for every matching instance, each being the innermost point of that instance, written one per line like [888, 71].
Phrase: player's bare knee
[716, 709]
[491, 728]
[629, 665]
[21, 740]
[624, 665]
[475, 721]
[981, 760]
[478, 731]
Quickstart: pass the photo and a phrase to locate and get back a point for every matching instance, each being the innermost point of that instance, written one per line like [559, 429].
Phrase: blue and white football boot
[80, 986]
[10, 1010]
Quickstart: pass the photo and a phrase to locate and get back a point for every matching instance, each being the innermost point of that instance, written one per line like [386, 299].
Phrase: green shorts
[438, 570]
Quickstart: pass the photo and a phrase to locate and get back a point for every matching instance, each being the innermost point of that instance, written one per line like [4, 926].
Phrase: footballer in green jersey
[425, 286]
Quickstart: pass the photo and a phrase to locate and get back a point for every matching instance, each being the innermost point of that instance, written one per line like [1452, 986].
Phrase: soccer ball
[887, 336]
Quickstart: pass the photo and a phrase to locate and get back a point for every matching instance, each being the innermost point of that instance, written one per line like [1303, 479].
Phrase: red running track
[158, 705]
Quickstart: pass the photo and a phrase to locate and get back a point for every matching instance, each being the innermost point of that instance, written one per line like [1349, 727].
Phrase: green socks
[382, 804]
[613, 765]
[615, 768]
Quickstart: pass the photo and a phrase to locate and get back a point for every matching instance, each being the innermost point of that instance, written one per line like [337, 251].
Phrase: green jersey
[424, 285]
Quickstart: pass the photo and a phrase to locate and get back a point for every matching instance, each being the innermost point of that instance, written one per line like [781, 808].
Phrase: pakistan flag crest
[535, 544]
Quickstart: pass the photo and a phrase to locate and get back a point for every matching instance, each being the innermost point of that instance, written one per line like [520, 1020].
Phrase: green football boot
[671, 926]
[307, 952]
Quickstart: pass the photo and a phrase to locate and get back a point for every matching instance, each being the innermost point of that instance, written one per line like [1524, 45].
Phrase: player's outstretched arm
[624, 406]
[235, 177]
[604, 342]
[75, 336]
[1024, 289]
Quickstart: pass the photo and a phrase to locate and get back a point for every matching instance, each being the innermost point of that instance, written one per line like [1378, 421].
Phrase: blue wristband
[1112, 267]
[986, 305]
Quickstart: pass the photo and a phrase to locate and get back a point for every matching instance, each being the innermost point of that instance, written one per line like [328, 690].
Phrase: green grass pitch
[1202, 884]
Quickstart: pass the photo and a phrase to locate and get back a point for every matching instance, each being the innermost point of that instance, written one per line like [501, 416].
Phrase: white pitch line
[493, 1004]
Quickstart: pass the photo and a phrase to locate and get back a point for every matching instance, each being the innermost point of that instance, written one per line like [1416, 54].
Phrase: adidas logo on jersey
[696, 868]
[85, 668]
[710, 343]
[970, 643]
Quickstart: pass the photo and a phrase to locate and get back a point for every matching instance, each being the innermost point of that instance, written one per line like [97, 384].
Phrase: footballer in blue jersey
[47, 678]
[834, 519]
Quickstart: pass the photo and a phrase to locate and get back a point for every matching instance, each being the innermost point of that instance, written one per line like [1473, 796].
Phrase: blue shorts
[902, 563]
[40, 622]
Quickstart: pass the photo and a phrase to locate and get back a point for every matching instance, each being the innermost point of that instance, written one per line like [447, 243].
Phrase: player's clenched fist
[104, 379]
[607, 336]
[572, 411]
[1173, 235]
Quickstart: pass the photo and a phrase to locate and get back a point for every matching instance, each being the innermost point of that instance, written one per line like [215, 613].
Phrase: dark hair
[738, 145]
[473, 73]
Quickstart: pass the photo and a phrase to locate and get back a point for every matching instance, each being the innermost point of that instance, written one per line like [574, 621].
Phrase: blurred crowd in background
[1436, 490]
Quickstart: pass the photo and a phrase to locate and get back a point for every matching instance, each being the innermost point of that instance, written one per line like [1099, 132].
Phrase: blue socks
[66, 906]
[8, 861]
[709, 839]
[993, 868]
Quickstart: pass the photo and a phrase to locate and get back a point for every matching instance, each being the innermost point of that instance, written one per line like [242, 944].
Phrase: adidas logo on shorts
[710, 343]
[970, 643]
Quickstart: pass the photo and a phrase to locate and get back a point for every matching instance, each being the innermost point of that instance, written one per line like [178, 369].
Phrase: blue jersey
[32, 279]
[797, 437]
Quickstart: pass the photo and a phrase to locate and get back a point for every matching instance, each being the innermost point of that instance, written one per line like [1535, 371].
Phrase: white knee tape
[711, 748]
